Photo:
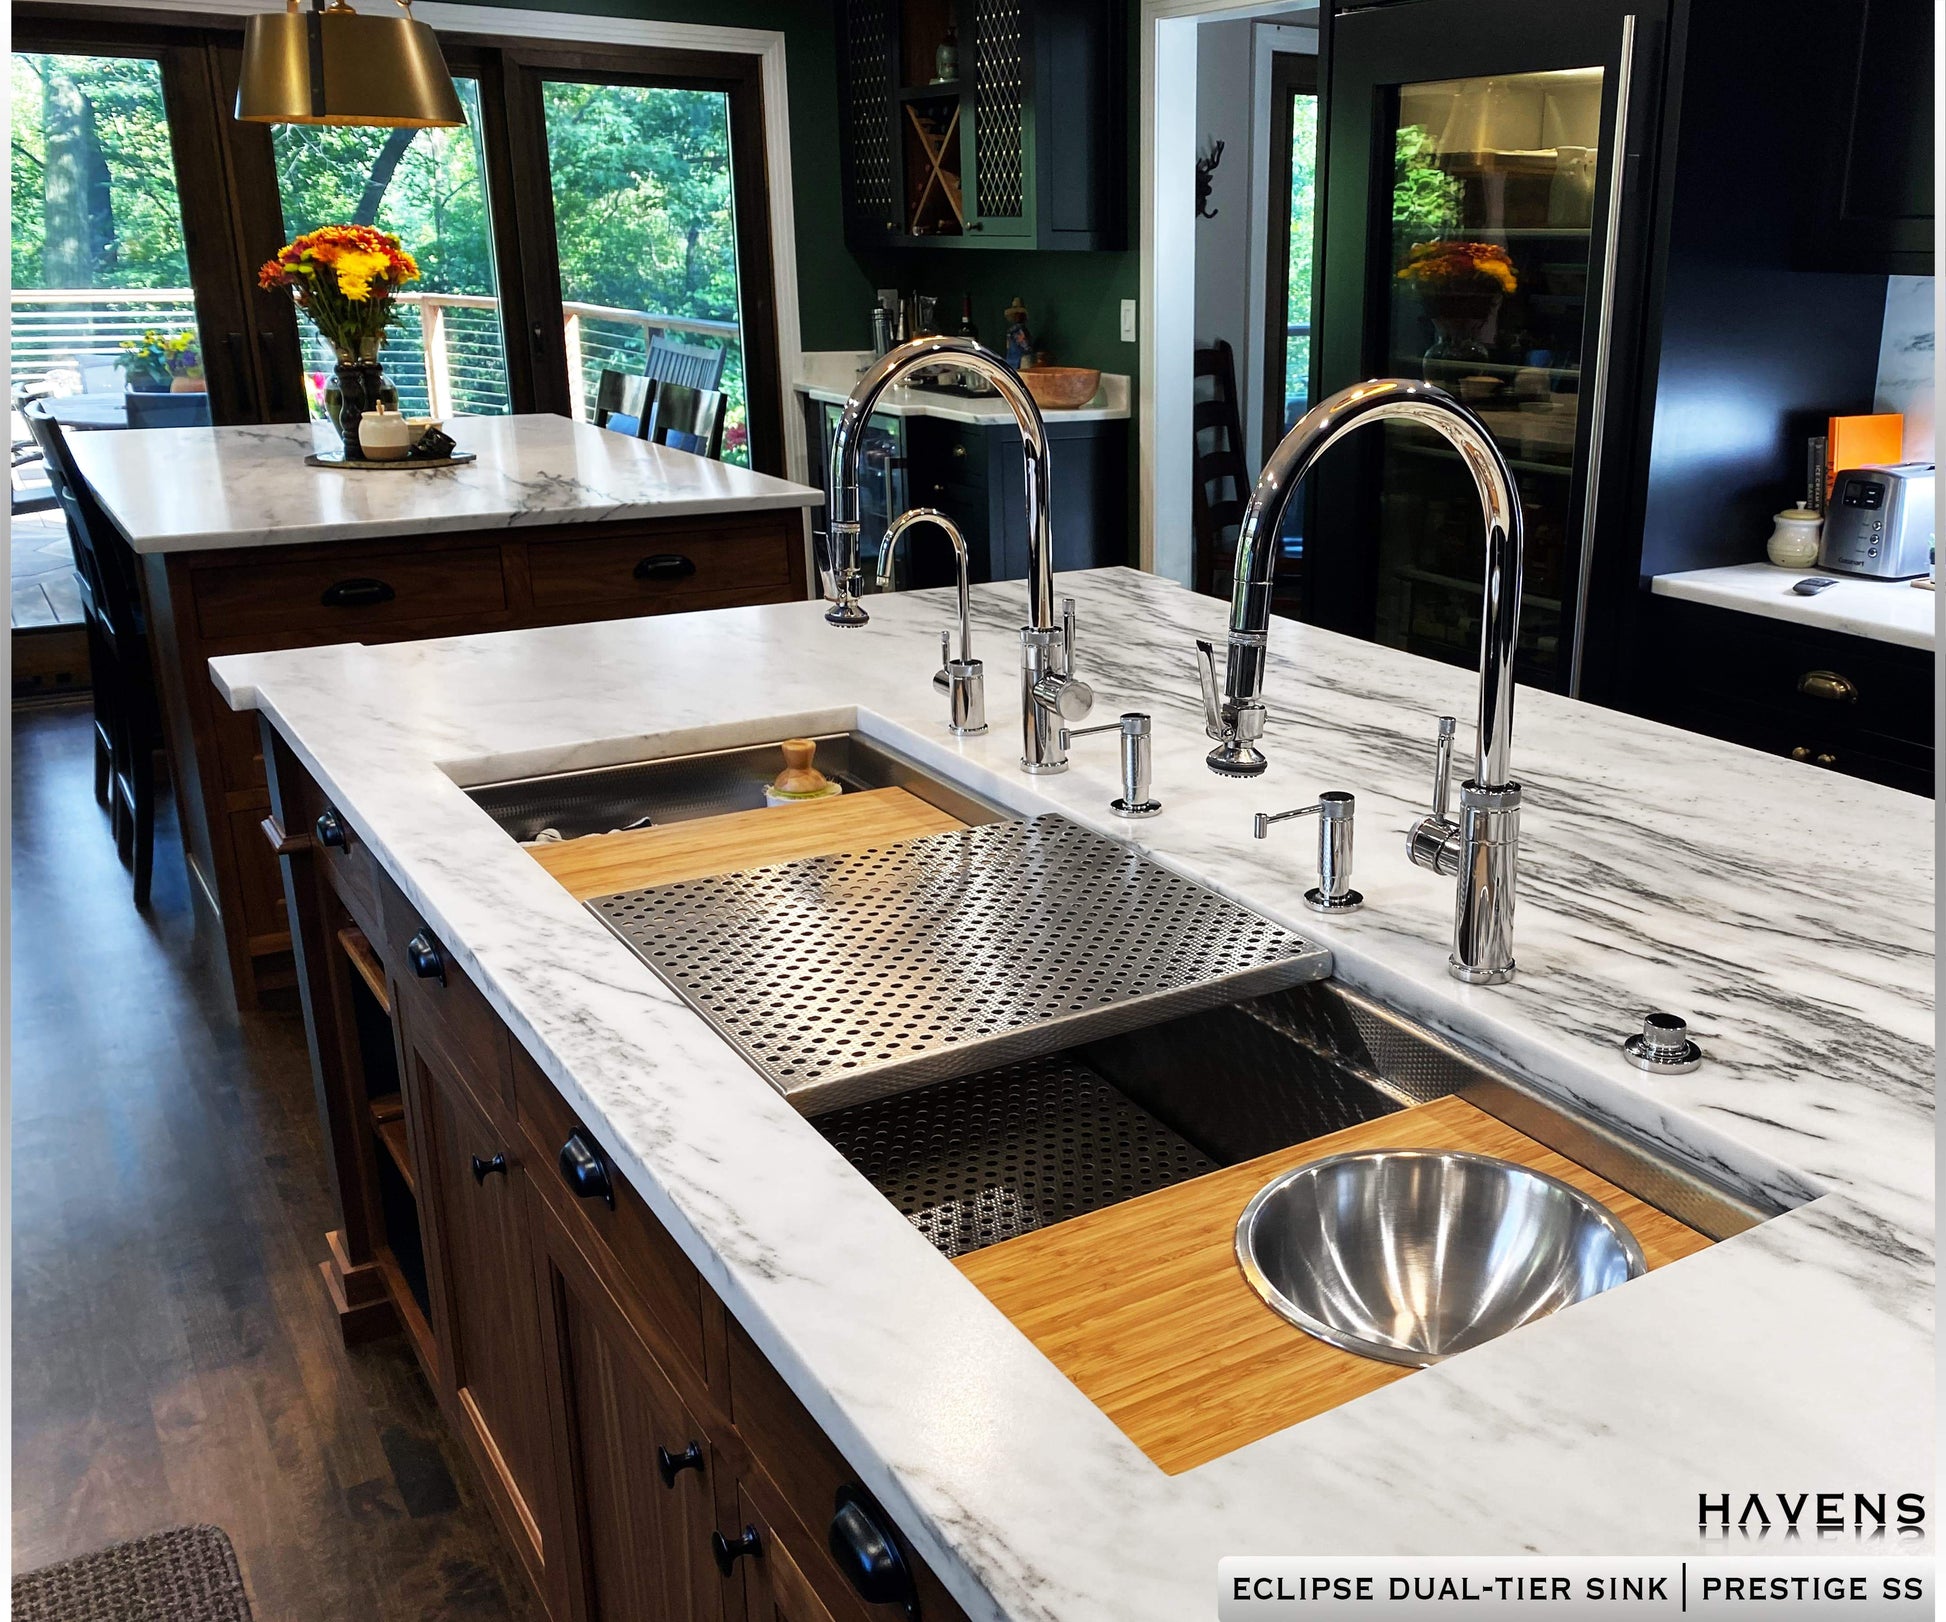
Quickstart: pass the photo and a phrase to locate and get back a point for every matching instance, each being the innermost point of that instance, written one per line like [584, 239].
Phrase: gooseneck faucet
[1479, 850]
[1050, 692]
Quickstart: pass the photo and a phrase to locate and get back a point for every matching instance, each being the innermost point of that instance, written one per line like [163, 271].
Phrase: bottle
[966, 327]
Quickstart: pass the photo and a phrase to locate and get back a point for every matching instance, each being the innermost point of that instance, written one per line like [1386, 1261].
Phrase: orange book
[1872, 441]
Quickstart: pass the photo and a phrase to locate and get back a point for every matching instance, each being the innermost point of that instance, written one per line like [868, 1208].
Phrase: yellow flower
[356, 271]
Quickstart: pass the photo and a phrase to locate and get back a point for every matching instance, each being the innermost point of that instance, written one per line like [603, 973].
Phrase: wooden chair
[622, 403]
[1220, 483]
[128, 720]
[687, 419]
[694, 366]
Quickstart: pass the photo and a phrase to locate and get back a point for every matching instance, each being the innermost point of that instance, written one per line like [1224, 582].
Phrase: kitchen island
[243, 546]
[1799, 948]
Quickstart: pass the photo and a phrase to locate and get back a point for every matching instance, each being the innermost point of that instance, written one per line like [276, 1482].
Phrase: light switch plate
[1128, 320]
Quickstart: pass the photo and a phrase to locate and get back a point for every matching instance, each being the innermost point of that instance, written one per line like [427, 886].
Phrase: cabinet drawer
[260, 881]
[647, 573]
[345, 598]
[651, 1265]
[240, 749]
[797, 1459]
[445, 1007]
[349, 866]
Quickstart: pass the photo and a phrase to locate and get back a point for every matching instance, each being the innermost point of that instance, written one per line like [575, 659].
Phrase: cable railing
[445, 354]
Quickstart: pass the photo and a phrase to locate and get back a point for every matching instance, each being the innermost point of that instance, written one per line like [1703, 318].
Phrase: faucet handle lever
[1212, 701]
[1067, 633]
[1442, 766]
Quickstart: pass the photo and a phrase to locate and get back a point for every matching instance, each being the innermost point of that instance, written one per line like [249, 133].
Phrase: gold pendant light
[329, 65]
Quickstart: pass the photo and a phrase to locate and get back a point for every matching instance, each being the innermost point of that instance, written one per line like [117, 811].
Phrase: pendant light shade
[333, 66]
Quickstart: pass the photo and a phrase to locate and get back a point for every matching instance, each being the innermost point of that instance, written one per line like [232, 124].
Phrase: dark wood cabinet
[471, 1194]
[1024, 148]
[1838, 703]
[638, 1470]
[1873, 209]
[639, 1452]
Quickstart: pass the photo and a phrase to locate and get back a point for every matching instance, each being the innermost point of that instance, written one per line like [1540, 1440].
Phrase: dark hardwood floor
[173, 1358]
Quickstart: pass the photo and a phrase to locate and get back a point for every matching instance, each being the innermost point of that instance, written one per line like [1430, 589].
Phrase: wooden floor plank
[174, 1360]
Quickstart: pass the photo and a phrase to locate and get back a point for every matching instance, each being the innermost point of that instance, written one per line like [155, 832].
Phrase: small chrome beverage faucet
[1050, 692]
[962, 680]
[1480, 850]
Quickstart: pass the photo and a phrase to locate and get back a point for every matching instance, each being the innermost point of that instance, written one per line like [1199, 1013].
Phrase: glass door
[1485, 235]
[446, 355]
[1288, 287]
[103, 303]
[1490, 255]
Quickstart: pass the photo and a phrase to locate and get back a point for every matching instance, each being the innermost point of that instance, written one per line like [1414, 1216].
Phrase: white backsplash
[1905, 361]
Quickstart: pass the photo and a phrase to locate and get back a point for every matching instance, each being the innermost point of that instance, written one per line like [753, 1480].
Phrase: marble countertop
[1884, 610]
[829, 375]
[196, 489]
[1788, 915]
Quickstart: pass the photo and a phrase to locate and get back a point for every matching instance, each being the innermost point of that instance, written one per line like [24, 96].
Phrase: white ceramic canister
[1794, 542]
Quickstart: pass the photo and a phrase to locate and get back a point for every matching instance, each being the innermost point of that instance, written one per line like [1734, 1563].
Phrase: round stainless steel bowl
[1412, 1255]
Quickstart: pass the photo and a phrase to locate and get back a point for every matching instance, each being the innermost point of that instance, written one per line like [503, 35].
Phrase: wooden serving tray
[602, 864]
[1143, 1306]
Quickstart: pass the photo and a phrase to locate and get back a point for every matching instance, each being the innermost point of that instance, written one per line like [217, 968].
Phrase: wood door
[775, 1588]
[472, 1212]
[636, 1471]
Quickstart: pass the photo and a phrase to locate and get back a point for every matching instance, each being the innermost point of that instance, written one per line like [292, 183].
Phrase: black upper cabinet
[1023, 146]
[1874, 206]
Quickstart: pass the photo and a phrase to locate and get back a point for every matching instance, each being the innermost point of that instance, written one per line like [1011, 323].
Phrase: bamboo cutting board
[1143, 1305]
[601, 864]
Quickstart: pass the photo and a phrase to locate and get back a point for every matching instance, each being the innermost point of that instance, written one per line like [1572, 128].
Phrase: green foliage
[141, 245]
[1304, 198]
[1425, 198]
[162, 354]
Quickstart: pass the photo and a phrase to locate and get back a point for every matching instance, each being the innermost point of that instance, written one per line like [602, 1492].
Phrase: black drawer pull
[361, 593]
[665, 566]
[727, 1553]
[670, 1465]
[331, 830]
[483, 1169]
[586, 1172]
[427, 960]
[868, 1555]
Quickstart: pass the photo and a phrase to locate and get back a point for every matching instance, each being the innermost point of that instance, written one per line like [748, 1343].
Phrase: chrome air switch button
[1663, 1047]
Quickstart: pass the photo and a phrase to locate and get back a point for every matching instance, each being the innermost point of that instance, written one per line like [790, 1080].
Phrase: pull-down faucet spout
[1480, 849]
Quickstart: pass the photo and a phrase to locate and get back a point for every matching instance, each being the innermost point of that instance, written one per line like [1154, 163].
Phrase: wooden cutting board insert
[1143, 1306]
[601, 864]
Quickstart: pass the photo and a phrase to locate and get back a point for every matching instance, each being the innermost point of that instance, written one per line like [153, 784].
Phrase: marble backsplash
[1905, 361]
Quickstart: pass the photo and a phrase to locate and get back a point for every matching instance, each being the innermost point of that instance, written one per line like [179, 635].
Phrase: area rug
[186, 1574]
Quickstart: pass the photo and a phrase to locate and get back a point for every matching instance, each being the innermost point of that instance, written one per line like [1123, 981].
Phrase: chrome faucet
[962, 680]
[1050, 692]
[1479, 850]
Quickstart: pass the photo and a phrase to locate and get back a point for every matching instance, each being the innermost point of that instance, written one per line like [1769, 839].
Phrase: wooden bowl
[1061, 388]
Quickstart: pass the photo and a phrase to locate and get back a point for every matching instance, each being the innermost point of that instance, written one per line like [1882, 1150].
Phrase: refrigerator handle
[1596, 394]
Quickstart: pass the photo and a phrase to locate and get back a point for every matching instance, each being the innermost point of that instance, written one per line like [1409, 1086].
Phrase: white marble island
[1799, 946]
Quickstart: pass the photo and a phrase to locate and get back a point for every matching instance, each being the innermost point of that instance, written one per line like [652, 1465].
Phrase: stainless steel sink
[683, 788]
[986, 1157]
[1412, 1256]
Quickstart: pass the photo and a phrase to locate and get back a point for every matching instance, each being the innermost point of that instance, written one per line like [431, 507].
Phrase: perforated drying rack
[845, 978]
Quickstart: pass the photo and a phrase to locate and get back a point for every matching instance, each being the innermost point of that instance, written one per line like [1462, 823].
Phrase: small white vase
[1794, 542]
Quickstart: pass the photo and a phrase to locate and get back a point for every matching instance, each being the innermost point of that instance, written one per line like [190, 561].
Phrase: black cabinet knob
[670, 1465]
[362, 593]
[586, 1172]
[427, 960]
[483, 1169]
[728, 1551]
[665, 566]
[331, 830]
[869, 1555]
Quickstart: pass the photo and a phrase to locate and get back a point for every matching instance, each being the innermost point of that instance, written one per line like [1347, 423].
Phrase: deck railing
[445, 354]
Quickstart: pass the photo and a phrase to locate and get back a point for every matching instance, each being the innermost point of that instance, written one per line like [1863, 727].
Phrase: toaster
[1879, 522]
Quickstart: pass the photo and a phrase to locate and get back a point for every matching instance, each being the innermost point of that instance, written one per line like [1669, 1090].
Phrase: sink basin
[684, 788]
[1412, 1256]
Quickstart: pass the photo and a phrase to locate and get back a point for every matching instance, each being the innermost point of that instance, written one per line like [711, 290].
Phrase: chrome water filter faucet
[962, 680]
[1050, 692]
[1483, 858]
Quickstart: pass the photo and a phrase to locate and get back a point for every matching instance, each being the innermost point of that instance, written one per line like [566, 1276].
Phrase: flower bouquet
[159, 362]
[1461, 285]
[346, 278]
